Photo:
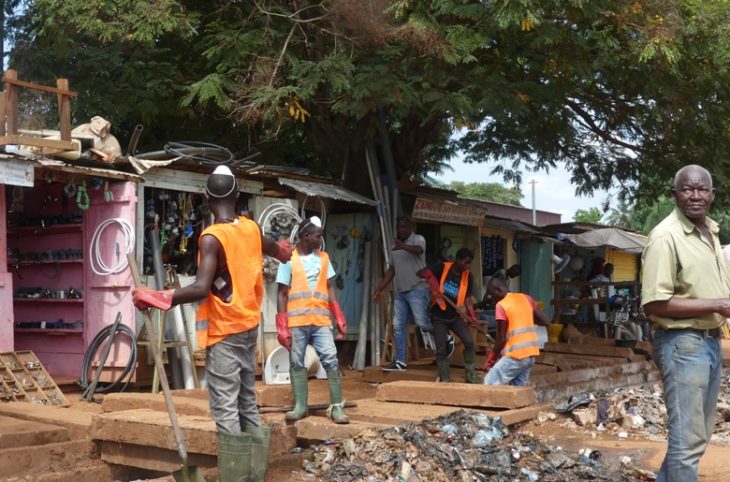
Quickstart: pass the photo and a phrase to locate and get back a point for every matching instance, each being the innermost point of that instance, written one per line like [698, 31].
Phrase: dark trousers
[441, 330]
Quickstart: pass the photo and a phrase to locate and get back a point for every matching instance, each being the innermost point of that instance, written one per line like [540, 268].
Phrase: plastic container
[553, 331]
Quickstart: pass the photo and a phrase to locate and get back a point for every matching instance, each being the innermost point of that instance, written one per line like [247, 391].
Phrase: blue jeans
[418, 302]
[510, 371]
[691, 369]
[321, 338]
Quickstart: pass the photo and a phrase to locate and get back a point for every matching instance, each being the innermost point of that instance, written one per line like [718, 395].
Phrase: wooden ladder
[174, 282]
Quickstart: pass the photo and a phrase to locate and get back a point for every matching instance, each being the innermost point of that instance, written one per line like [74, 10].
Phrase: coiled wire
[94, 346]
[98, 265]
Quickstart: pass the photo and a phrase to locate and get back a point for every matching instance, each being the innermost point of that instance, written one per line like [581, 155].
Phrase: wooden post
[11, 104]
[64, 111]
[2, 113]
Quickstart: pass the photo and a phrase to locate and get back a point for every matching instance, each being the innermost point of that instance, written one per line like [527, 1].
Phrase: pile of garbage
[638, 411]
[461, 446]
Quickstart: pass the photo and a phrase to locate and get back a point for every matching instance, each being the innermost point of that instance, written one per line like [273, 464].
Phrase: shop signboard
[16, 172]
[448, 212]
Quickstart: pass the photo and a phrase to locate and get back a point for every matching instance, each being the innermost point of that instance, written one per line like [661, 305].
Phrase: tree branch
[590, 123]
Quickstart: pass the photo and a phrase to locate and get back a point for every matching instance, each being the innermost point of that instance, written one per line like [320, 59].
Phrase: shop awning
[60, 166]
[329, 191]
[614, 237]
[509, 224]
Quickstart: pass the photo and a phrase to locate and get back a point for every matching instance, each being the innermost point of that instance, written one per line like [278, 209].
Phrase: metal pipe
[132, 147]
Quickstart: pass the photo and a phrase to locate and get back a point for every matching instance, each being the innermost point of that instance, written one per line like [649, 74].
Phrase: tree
[484, 191]
[620, 92]
[592, 215]
[620, 216]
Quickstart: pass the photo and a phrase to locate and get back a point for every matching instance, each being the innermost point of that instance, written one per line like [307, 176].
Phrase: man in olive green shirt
[686, 291]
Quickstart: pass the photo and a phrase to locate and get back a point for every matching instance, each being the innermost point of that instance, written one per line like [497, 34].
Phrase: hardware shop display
[24, 379]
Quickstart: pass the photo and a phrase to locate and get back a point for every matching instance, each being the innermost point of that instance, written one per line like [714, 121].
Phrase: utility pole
[534, 214]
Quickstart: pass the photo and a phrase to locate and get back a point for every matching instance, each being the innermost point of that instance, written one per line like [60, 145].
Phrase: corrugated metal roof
[60, 166]
[328, 191]
[512, 225]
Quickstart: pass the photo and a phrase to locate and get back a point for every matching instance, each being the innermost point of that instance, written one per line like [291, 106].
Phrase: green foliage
[486, 191]
[591, 215]
[622, 93]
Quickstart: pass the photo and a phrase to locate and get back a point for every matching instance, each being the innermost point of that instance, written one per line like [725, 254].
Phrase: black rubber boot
[443, 369]
[470, 368]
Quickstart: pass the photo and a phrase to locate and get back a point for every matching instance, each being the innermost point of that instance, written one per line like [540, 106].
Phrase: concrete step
[152, 428]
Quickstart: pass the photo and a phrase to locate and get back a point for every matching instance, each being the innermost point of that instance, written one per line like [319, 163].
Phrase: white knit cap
[223, 171]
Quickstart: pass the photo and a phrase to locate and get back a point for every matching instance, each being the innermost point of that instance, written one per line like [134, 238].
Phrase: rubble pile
[637, 410]
[461, 446]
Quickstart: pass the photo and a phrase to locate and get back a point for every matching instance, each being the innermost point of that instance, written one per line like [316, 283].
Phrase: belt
[711, 333]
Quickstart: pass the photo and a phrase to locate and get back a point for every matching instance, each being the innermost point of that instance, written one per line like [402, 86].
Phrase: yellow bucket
[554, 330]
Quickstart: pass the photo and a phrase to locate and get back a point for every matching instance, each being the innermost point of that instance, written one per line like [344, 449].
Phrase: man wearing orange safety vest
[229, 281]
[451, 286]
[306, 305]
[516, 342]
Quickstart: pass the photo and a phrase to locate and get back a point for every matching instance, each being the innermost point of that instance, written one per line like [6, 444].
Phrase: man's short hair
[403, 220]
[464, 253]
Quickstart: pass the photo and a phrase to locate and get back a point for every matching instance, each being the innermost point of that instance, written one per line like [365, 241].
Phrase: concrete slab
[575, 376]
[607, 383]
[152, 428]
[314, 428]
[456, 394]
[184, 405]
[77, 422]
[21, 433]
[151, 458]
[586, 349]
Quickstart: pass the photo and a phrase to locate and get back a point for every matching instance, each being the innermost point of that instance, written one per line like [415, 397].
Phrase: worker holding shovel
[306, 305]
[229, 280]
[451, 286]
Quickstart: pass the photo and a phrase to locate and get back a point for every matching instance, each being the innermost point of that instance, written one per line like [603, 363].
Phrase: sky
[553, 191]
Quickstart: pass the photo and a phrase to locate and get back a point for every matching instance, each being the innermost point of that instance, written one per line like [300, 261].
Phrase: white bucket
[276, 370]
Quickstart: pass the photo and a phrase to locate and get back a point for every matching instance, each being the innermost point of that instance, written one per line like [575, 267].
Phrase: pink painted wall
[103, 296]
[6, 283]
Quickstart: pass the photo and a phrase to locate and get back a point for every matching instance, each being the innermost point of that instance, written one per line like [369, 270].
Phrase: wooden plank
[11, 101]
[2, 113]
[35, 141]
[13, 80]
[64, 110]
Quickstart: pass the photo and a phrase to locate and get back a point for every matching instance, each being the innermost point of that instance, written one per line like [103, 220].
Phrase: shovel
[186, 473]
[473, 323]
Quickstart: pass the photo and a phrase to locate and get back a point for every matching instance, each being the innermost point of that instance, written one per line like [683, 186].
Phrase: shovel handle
[182, 451]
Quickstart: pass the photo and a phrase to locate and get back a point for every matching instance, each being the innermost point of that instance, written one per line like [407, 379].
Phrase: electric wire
[98, 266]
[94, 346]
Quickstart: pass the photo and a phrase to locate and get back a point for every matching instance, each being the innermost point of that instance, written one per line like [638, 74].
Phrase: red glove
[285, 250]
[339, 319]
[470, 313]
[433, 283]
[144, 298]
[282, 330]
[492, 358]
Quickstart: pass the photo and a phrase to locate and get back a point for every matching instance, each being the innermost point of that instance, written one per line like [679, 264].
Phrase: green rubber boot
[234, 457]
[470, 368]
[298, 377]
[443, 368]
[336, 410]
[260, 439]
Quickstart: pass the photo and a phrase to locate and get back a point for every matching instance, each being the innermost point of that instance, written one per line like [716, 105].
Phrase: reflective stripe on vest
[216, 319]
[463, 285]
[307, 306]
[521, 338]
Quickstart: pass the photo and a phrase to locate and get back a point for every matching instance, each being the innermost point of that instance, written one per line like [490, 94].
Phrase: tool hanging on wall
[82, 196]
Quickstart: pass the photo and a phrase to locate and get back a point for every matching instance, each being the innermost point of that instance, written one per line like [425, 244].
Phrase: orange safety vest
[217, 319]
[521, 337]
[463, 285]
[307, 306]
